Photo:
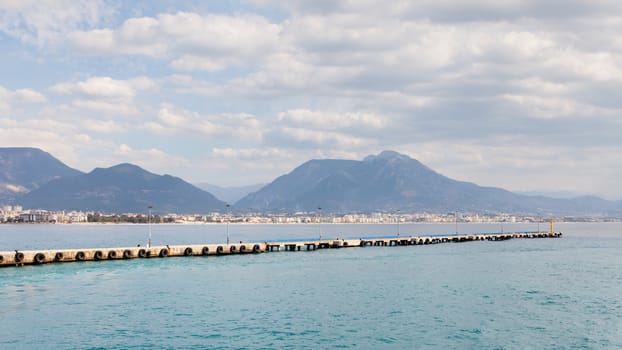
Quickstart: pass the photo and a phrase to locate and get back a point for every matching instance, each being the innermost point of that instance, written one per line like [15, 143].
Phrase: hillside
[123, 188]
[25, 169]
[391, 181]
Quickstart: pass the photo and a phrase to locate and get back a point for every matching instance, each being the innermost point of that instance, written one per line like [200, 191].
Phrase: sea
[555, 293]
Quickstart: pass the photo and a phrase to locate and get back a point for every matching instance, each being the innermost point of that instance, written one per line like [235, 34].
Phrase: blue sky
[518, 94]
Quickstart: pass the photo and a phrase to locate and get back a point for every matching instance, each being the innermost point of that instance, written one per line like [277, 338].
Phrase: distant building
[37, 216]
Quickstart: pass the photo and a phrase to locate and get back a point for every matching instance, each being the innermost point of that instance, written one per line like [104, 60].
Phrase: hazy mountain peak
[387, 155]
[23, 169]
[127, 168]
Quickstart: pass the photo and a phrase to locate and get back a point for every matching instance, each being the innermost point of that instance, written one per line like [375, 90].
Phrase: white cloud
[29, 95]
[105, 87]
[101, 95]
[8, 98]
[331, 120]
[194, 42]
[172, 120]
[325, 79]
[35, 133]
[321, 138]
[251, 153]
[46, 21]
[151, 159]
[554, 107]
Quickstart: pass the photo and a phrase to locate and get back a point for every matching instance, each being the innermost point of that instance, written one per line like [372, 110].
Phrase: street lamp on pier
[398, 223]
[320, 221]
[228, 219]
[149, 220]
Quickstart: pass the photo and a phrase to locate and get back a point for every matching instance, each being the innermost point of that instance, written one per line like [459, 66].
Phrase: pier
[38, 257]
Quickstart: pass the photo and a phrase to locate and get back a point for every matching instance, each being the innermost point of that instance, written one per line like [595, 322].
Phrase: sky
[519, 94]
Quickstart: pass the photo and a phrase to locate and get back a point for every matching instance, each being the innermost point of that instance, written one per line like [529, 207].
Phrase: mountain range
[387, 182]
[391, 181]
[25, 169]
[124, 188]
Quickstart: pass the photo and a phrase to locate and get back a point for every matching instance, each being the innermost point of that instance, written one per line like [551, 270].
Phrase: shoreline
[303, 223]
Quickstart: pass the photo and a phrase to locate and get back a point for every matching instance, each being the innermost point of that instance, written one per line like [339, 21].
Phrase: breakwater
[38, 257]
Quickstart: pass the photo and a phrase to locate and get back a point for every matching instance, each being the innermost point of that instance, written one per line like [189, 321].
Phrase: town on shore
[19, 215]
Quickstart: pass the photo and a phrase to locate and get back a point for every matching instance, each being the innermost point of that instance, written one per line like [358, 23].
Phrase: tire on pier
[112, 254]
[142, 253]
[205, 250]
[243, 248]
[19, 257]
[98, 255]
[220, 250]
[58, 256]
[127, 254]
[80, 256]
[163, 253]
[232, 249]
[39, 258]
[256, 249]
[188, 251]
[1, 259]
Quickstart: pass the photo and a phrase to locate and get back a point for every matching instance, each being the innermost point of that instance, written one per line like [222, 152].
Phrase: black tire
[232, 249]
[220, 250]
[1, 258]
[98, 255]
[163, 253]
[39, 258]
[142, 253]
[205, 251]
[19, 257]
[127, 254]
[188, 251]
[112, 254]
[242, 248]
[256, 249]
[80, 256]
[58, 256]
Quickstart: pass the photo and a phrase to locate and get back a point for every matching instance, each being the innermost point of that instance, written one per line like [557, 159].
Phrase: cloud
[105, 88]
[306, 137]
[8, 98]
[44, 22]
[151, 159]
[451, 10]
[331, 120]
[101, 95]
[251, 153]
[194, 42]
[301, 79]
[172, 120]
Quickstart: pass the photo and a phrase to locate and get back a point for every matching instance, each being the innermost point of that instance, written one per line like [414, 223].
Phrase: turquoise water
[517, 294]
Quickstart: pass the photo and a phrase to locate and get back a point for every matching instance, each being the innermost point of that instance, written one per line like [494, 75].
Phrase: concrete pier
[37, 257]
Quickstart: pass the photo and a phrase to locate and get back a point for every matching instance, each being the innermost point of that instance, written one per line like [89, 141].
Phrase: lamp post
[149, 220]
[228, 219]
[398, 223]
[456, 220]
[320, 221]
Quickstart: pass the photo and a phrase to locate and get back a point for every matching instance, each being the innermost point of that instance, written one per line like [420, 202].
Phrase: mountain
[391, 181]
[229, 194]
[124, 188]
[25, 169]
